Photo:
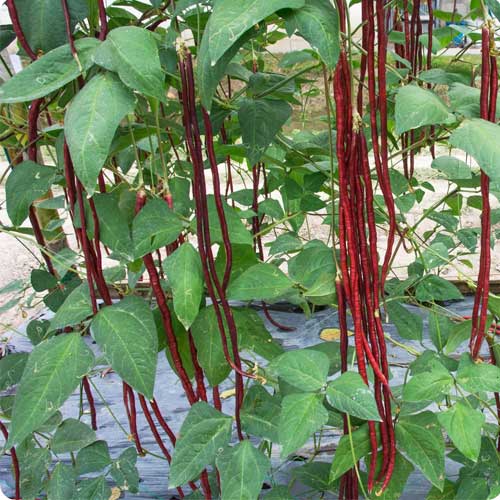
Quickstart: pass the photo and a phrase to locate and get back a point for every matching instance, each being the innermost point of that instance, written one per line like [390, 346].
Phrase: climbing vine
[189, 191]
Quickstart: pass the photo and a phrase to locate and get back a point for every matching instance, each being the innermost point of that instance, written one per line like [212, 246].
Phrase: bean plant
[179, 180]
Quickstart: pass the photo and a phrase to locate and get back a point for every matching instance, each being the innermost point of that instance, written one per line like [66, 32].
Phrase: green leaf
[49, 73]
[351, 395]
[72, 435]
[229, 20]
[76, 308]
[479, 138]
[62, 482]
[42, 280]
[113, 225]
[465, 100]
[238, 233]
[477, 377]
[301, 416]
[459, 333]
[260, 282]
[124, 471]
[132, 52]
[203, 432]
[260, 121]
[208, 76]
[260, 413]
[126, 333]
[33, 464]
[463, 424]
[304, 369]
[419, 438]
[428, 386]
[11, 369]
[185, 275]
[91, 122]
[409, 325]
[449, 492]
[27, 182]
[452, 167]
[435, 288]
[42, 21]
[154, 227]
[343, 458]
[317, 22]
[416, 107]
[93, 458]
[208, 343]
[53, 371]
[242, 471]
[315, 475]
[92, 489]
[252, 335]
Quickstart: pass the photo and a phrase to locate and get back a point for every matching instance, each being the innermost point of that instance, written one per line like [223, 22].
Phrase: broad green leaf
[7, 36]
[91, 122]
[208, 76]
[343, 458]
[479, 138]
[230, 19]
[428, 386]
[465, 100]
[479, 376]
[92, 489]
[33, 464]
[42, 280]
[124, 471]
[132, 52]
[203, 432]
[351, 395]
[42, 21]
[260, 413]
[416, 107]
[38, 330]
[495, 7]
[315, 475]
[154, 227]
[72, 435]
[452, 167]
[62, 482]
[238, 233]
[185, 275]
[303, 368]
[27, 182]
[435, 288]
[53, 371]
[459, 333]
[49, 73]
[207, 338]
[252, 335]
[260, 282]
[301, 416]
[126, 333]
[449, 492]
[260, 121]
[76, 308]
[93, 458]
[242, 471]
[419, 438]
[409, 325]
[113, 226]
[463, 424]
[11, 369]
[317, 22]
